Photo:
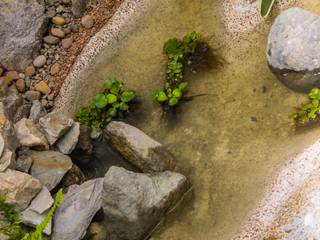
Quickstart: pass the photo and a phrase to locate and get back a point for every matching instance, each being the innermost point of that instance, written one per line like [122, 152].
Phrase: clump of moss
[111, 103]
[179, 53]
[309, 111]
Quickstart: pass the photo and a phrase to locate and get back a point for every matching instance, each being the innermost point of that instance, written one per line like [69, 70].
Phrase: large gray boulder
[49, 167]
[293, 49]
[139, 149]
[22, 24]
[134, 203]
[75, 214]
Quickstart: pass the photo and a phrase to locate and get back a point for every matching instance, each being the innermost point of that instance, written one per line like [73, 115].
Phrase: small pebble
[42, 87]
[32, 95]
[60, 9]
[22, 75]
[67, 30]
[57, 32]
[39, 61]
[55, 68]
[51, 39]
[21, 85]
[58, 20]
[74, 28]
[66, 43]
[10, 76]
[87, 21]
[30, 71]
[51, 13]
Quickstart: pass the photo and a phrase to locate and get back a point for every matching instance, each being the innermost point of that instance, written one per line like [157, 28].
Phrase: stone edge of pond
[290, 179]
[125, 19]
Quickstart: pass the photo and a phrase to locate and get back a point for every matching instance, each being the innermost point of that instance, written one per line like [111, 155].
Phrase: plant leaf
[100, 100]
[177, 93]
[111, 98]
[266, 6]
[182, 86]
[173, 101]
[128, 96]
[162, 97]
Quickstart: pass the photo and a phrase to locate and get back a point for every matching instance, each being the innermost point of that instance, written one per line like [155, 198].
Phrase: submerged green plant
[177, 52]
[106, 106]
[308, 111]
[266, 6]
[12, 226]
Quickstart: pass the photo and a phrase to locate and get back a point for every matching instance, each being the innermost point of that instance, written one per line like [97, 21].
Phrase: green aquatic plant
[109, 104]
[177, 52]
[265, 7]
[12, 226]
[309, 111]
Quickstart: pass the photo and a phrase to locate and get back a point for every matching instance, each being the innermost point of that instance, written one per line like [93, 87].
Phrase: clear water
[229, 142]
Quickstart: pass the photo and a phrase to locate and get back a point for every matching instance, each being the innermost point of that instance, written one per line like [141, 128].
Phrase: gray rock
[51, 40]
[42, 202]
[32, 95]
[80, 204]
[79, 7]
[22, 112]
[49, 167]
[22, 24]
[69, 141]
[7, 160]
[29, 135]
[37, 111]
[293, 49]
[33, 219]
[24, 162]
[67, 42]
[139, 149]
[18, 188]
[134, 203]
[7, 130]
[87, 21]
[55, 125]
[12, 103]
[39, 61]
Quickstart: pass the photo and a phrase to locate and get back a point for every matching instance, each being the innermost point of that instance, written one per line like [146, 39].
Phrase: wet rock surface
[81, 203]
[134, 203]
[138, 148]
[293, 49]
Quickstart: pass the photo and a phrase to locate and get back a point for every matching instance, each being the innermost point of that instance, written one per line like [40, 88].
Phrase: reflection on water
[230, 141]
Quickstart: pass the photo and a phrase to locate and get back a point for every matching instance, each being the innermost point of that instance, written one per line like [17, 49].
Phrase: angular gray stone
[7, 160]
[49, 167]
[139, 149]
[69, 141]
[134, 203]
[18, 188]
[23, 162]
[79, 7]
[74, 215]
[54, 125]
[29, 135]
[293, 49]
[32, 219]
[22, 24]
[37, 111]
[12, 103]
[42, 202]
[22, 112]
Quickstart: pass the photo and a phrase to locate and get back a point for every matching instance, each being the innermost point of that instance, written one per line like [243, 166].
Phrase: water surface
[229, 142]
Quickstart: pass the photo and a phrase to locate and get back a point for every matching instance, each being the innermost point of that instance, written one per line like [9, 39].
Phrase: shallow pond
[229, 142]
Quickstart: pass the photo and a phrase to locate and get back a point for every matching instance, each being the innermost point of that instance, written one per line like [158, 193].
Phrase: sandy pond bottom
[229, 142]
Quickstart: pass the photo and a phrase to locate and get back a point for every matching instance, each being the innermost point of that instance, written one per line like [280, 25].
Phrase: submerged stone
[293, 49]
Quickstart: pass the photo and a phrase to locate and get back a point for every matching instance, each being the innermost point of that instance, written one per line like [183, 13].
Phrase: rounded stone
[58, 20]
[42, 87]
[21, 85]
[55, 68]
[39, 61]
[30, 71]
[87, 21]
[51, 40]
[57, 32]
[66, 43]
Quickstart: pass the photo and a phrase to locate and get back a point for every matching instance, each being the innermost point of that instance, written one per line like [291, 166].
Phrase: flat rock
[33, 219]
[134, 203]
[49, 167]
[54, 125]
[74, 215]
[293, 49]
[37, 111]
[18, 188]
[22, 24]
[69, 141]
[138, 148]
[29, 135]
[7, 160]
[42, 202]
